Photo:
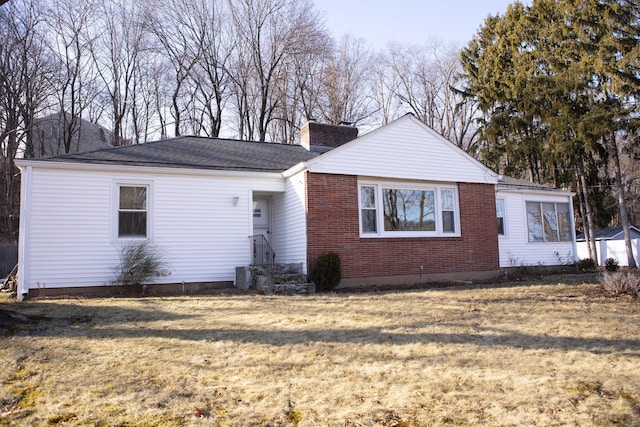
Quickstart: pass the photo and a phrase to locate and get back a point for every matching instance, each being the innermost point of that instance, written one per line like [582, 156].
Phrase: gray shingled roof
[507, 183]
[198, 153]
[608, 233]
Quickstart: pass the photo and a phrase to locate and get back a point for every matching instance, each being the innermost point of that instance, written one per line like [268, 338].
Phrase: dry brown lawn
[533, 353]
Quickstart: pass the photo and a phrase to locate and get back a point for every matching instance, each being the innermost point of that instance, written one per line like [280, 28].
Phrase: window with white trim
[548, 222]
[132, 211]
[368, 217]
[500, 216]
[396, 209]
[448, 210]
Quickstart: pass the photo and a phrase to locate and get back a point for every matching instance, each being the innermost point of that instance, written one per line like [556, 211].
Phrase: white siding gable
[403, 149]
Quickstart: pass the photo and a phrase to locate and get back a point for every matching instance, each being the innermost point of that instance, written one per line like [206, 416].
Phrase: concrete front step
[263, 280]
[288, 278]
[277, 279]
[289, 289]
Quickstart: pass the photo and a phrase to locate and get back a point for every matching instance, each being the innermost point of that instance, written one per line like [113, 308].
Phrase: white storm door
[262, 252]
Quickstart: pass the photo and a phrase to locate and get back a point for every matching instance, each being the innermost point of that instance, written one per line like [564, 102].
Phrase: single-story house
[610, 244]
[399, 204]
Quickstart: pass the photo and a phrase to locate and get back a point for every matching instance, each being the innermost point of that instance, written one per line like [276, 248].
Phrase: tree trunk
[622, 204]
[583, 215]
[589, 227]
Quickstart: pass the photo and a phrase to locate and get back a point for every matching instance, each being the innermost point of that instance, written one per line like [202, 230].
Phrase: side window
[500, 216]
[368, 209]
[132, 211]
[448, 211]
[548, 222]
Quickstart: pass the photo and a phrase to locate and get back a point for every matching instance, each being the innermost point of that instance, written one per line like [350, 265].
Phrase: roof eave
[145, 169]
[295, 169]
[533, 190]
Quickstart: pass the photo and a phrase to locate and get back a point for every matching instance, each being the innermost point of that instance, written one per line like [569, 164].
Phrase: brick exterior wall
[333, 225]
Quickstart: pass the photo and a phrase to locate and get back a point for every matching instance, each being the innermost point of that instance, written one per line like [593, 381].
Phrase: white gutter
[297, 168]
[44, 164]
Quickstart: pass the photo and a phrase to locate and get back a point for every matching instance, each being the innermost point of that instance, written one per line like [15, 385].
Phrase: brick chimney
[321, 137]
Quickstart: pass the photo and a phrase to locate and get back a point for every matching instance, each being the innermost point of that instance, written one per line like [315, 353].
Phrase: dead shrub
[139, 263]
[621, 283]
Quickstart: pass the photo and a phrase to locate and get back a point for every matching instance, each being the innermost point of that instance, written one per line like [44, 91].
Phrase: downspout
[25, 232]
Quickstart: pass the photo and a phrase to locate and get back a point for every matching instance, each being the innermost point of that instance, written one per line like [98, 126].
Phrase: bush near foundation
[139, 263]
[325, 272]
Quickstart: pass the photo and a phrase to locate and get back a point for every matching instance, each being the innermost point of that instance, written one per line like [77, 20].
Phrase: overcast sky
[409, 21]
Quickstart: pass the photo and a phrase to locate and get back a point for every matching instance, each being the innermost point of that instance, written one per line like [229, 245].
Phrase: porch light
[236, 199]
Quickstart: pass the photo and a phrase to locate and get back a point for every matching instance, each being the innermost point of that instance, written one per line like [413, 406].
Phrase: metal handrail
[261, 250]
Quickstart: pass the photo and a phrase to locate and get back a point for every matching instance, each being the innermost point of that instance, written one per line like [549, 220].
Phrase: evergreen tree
[558, 84]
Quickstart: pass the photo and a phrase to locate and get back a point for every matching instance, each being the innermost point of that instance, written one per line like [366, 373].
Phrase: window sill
[409, 236]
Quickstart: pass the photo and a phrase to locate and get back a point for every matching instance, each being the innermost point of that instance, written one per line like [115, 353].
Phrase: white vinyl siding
[514, 247]
[201, 232]
[408, 209]
[70, 230]
[290, 222]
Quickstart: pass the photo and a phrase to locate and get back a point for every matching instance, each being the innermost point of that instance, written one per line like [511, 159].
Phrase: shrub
[139, 262]
[611, 265]
[586, 264]
[621, 283]
[325, 272]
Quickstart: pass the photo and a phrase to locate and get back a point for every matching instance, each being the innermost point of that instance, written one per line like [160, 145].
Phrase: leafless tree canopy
[248, 69]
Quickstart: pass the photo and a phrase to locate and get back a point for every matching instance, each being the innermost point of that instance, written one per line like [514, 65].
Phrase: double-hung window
[500, 214]
[407, 209]
[548, 222]
[368, 210]
[132, 215]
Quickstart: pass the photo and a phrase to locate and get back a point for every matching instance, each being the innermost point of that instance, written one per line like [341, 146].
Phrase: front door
[262, 227]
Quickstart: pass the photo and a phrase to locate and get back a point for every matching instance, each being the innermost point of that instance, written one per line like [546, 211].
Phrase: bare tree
[23, 73]
[427, 81]
[383, 87]
[270, 34]
[346, 83]
[211, 73]
[69, 23]
[177, 25]
[116, 50]
[301, 90]
[147, 120]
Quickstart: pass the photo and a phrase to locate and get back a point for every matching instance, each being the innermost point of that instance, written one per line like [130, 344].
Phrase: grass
[530, 353]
